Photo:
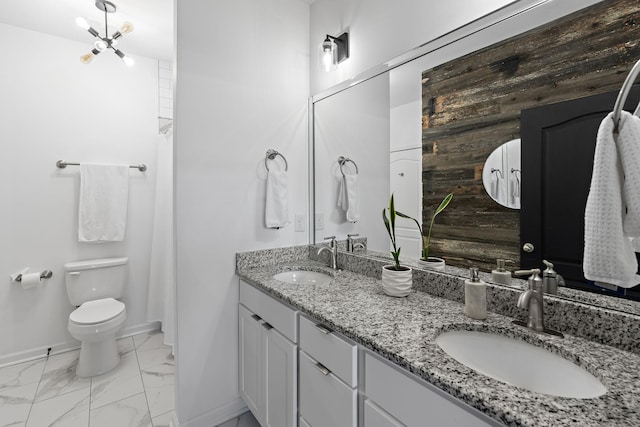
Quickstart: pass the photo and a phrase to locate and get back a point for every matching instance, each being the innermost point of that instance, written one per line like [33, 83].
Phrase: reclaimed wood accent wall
[472, 105]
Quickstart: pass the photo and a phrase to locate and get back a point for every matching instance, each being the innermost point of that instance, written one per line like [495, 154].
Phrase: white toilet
[93, 286]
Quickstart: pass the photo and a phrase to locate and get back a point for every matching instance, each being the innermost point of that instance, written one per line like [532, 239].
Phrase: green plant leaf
[401, 215]
[443, 204]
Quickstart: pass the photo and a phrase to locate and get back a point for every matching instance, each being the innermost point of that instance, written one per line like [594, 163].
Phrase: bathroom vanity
[350, 355]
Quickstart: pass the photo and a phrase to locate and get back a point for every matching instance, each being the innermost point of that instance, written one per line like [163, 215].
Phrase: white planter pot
[396, 283]
[433, 263]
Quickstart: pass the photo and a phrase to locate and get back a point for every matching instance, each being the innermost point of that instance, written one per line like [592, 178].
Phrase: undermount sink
[520, 364]
[303, 277]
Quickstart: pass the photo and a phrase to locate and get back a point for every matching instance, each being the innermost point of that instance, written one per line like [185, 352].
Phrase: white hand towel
[612, 214]
[348, 197]
[276, 212]
[104, 193]
[353, 210]
[498, 189]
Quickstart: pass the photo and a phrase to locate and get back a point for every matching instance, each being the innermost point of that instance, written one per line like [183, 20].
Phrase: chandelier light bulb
[127, 27]
[100, 45]
[128, 61]
[82, 23]
[87, 58]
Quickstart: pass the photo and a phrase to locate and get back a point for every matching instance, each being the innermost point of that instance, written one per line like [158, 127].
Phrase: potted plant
[430, 261]
[396, 278]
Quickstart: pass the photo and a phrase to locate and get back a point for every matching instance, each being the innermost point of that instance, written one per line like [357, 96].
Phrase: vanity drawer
[278, 315]
[375, 416]
[334, 352]
[412, 401]
[323, 399]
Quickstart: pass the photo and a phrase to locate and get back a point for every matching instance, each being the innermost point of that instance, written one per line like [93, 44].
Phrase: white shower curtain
[161, 306]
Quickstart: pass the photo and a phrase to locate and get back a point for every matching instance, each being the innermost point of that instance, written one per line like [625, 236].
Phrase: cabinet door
[281, 362]
[251, 360]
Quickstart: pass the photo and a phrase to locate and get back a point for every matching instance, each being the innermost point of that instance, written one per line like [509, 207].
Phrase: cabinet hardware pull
[322, 368]
[323, 329]
[256, 317]
[267, 326]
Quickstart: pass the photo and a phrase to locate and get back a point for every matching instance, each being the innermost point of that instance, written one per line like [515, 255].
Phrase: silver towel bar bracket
[46, 274]
[271, 155]
[62, 164]
[342, 160]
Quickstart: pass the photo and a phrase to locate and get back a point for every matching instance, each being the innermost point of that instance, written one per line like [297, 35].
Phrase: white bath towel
[612, 214]
[348, 197]
[276, 211]
[104, 193]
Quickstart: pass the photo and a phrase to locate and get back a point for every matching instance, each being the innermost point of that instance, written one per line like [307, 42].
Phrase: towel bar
[62, 164]
[271, 154]
[342, 160]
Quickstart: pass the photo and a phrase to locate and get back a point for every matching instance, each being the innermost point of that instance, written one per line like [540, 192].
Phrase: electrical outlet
[319, 221]
[300, 219]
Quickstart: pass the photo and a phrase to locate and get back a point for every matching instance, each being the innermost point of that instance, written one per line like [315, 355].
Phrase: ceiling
[152, 19]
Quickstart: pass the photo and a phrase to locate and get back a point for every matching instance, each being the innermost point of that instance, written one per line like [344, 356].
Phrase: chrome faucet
[533, 299]
[332, 249]
[351, 246]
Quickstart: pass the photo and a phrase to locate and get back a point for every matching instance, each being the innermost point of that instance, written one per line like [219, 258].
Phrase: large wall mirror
[397, 138]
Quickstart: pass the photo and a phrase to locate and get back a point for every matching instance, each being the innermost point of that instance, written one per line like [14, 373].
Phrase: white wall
[53, 107]
[380, 30]
[241, 88]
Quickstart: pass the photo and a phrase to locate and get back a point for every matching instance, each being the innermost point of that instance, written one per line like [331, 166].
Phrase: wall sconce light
[334, 51]
[103, 43]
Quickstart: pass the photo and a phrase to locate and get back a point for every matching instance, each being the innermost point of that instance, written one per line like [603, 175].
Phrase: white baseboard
[215, 417]
[62, 347]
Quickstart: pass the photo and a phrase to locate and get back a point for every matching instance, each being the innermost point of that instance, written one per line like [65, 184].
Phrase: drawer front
[337, 354]
[275, 313]
[375, 416]
[324, 400]
[412, 402]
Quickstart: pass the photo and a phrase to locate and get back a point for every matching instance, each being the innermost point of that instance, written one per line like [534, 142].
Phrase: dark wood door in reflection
[558, 144]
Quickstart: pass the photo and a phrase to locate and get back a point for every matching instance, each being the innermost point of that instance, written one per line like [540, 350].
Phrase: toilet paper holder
[45, 274]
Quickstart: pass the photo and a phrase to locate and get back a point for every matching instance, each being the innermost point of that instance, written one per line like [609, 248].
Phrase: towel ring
[342, 160]
[271, 155]
[622, 96]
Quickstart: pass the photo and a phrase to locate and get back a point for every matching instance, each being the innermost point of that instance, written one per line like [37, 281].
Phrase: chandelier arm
[106, 27]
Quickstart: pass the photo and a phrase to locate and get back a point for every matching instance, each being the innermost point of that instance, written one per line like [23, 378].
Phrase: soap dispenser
[475, 296]
[500, 274]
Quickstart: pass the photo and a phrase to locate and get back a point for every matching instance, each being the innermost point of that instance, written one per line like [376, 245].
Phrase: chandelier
[106, 42]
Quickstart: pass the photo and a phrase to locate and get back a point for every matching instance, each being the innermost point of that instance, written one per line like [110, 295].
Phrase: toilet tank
[95, 279]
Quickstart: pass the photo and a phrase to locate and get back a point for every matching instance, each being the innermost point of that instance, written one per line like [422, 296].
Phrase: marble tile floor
[46, 392]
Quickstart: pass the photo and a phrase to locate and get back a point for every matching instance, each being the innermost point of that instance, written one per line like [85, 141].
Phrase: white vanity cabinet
[393, 398]
[268, 358]
[328, 369]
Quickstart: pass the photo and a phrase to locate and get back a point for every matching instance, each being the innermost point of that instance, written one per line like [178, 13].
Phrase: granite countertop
[403, 330]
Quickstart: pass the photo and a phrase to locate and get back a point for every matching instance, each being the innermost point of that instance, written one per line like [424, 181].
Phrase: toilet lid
[97, 311]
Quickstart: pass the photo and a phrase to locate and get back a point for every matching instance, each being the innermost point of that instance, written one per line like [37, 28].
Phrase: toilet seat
[97, 311]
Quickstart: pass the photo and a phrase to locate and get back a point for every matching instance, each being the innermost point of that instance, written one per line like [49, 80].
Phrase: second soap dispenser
[475, 296]
[500, 274]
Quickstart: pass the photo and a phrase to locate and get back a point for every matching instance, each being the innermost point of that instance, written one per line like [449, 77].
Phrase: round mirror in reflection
[502, 176]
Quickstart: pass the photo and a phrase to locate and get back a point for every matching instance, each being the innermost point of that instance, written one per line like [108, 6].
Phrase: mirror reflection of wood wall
[472, 105]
